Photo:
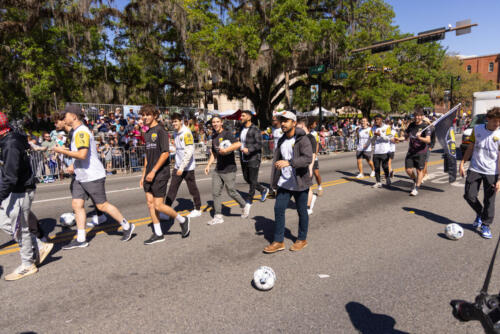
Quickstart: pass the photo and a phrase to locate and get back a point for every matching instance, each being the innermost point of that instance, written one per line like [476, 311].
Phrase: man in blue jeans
[291, 177]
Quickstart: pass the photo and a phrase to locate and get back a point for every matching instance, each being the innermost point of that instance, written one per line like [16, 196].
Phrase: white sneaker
[414, 192]
[372, 174]
[195, 213]
[377, 185]
[97, 220]
[360, 176]
[313, 200]
[309, 212]
[218, 219]
[426, 177]
[246, 210]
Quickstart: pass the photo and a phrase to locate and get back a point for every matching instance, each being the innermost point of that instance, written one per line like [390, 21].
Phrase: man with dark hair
[417, 149]
[250, 155]
[184, 165]
[484, 159]
[291, 158]
[90, 178]
[364, 137]
[156, 173]
[382, 135]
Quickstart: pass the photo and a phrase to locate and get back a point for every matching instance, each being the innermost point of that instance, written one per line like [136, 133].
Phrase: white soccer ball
[224, 144]
[264, 278]
[67, 219]
[454, 231]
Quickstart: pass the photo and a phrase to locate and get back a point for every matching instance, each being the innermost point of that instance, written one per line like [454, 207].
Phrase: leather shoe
[298, 245]
[274, 247]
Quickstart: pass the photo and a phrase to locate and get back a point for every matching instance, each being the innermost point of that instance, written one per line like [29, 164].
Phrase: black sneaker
[154, 239]
[185, 228]
[127, 234]
[75, 244]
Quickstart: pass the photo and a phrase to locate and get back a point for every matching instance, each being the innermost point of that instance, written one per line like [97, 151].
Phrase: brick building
[487, 66]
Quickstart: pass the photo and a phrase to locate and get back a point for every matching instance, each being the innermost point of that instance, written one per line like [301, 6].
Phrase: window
[490, 67]
[469, 68]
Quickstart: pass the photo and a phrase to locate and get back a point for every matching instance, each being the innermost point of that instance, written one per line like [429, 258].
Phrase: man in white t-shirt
[276, 135]
[484, 147]
[90, 178]
[381, 145]
[364, 137]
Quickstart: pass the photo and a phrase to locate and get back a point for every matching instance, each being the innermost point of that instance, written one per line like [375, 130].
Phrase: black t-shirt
[225, 163]
[313, 142]
[157, 143]
[416, 146]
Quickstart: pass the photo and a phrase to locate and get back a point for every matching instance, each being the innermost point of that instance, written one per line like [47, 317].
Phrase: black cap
[73, 109]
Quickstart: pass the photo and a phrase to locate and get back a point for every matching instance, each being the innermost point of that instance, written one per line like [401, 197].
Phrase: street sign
[318, 69]
[341, 75]
[463, 31]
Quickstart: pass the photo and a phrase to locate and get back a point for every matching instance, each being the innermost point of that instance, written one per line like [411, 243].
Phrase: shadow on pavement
[226, 211]
[437, 218]
[265, 226]
[48, 225]
[1, 271]
[367, 322]
[348, 174]
[7, 244]
[359, 181]
[183, 204]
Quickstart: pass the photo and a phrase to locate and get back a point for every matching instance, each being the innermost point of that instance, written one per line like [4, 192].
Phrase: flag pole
[455, 108]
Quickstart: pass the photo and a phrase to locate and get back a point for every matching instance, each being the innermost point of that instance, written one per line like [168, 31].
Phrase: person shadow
[265, 226]
[226, 211]
[1, 271]
[183, 204]
[367, 322]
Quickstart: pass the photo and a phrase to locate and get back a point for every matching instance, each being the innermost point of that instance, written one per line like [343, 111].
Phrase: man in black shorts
[417, 150]
[156, 173]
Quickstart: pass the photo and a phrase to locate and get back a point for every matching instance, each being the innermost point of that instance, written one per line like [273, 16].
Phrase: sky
[413, 16]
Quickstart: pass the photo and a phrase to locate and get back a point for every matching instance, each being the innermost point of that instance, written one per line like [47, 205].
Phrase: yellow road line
[146, 220]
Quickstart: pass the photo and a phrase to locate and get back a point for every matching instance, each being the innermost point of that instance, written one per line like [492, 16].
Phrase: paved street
[391, 270]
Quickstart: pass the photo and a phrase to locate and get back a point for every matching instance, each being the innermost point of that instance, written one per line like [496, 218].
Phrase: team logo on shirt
[495, 139]
[220, 140]
[154, 136]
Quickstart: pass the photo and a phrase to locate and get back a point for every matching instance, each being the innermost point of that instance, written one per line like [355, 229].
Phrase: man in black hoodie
[17, 189]
[291, 177]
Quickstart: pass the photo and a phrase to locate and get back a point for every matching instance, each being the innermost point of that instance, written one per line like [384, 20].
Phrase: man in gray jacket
[291, 177]
[251, 151]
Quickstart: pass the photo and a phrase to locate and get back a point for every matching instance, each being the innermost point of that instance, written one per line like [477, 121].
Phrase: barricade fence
[49, 166]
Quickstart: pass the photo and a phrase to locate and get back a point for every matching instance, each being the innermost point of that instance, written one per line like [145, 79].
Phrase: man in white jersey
[90, 178]
[364, 137]
[484, 147]
[381, 145]
[392, 146]
[184, 165]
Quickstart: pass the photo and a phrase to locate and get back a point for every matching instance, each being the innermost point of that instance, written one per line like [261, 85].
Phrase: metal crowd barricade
[202, 151]
[134, 158]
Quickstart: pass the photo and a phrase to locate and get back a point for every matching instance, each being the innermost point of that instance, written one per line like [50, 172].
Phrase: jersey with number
[90, 168]
[182, 139]
[485, 155]
[365, 136]
[381, 142]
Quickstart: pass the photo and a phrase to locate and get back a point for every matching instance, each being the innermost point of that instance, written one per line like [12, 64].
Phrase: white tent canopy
[315, 112]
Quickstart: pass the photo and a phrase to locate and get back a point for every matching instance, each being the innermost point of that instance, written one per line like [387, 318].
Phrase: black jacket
[16, 174]
[253, 142]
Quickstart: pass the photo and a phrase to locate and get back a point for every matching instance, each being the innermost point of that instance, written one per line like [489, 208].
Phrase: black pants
[190, 179]
[472, 184]
[251, 174]
[381, 159]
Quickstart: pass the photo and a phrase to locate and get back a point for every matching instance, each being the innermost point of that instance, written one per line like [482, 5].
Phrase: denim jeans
[282, 198]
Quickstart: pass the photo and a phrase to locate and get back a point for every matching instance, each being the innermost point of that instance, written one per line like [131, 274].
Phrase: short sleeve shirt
[485, 155]
[313, 141]
[90, 168]
[157, 143]
[225, 163]
[416, 146]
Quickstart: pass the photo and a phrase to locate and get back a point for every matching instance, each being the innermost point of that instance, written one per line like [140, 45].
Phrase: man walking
[313, 124]
[381, 142]
[223, 146]
[250, 150]
[292, 158]
[485, 143]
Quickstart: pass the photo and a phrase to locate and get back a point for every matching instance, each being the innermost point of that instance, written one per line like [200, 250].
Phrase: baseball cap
[288, 114]
[73, 109]
[4, 124]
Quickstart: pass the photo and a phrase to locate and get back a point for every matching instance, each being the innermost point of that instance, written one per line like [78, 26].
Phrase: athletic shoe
[309, 212]
[372, 174]
[485, 232]
[360, 176]
[75, 244]
[388, 182]
[127, 234]
[377, 185]
[414, 192]
[185, 227]
[21, 272]
[44, 251]
[426, 177]
[218, 219]
[154, 239]
[246, 210]
[320, 191]
[263, 195]
[97, 220]
[193, 214]
[477, 222]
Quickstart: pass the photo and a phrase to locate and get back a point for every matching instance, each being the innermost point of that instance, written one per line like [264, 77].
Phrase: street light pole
[319, 103]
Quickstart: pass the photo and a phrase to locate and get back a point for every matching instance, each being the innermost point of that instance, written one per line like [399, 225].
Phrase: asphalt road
[390, 268]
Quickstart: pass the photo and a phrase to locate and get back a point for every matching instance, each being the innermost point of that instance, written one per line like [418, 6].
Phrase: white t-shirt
[485, 155]
[364, 136]
[316, 136]
[287, 179]
[277, 133]
[392, 146]
[243, 140]
[90, 168]
[182, 139]
[382, 142]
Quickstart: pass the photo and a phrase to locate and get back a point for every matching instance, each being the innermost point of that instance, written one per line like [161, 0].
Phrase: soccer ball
[224, 144]
[454, 231]
[264, 278]
[67, 219]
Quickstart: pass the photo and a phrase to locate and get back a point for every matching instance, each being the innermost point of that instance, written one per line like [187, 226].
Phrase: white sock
[157, 228]
[125, 224]
[320, 188]
[180, 219]
[80, 235]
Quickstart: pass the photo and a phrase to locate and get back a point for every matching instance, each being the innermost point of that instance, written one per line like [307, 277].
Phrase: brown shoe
[298, 245]
[274, 247]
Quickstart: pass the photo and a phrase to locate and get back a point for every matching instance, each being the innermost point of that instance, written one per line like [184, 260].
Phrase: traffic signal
[387, 69]
[370, 68]
[382, 48]
[439, 35]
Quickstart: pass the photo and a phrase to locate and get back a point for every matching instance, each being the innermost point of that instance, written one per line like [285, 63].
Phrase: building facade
[487, 66]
